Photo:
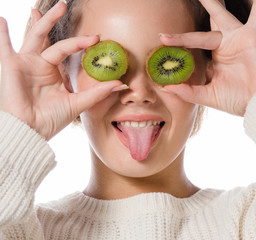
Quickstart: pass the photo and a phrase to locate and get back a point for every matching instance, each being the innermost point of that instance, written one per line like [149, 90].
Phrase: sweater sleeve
[25, 159]
[250, 119]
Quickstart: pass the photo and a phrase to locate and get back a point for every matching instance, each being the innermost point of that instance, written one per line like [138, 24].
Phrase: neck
[106, 184]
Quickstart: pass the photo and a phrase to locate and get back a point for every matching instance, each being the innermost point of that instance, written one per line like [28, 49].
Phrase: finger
[40, 30]
[214, 26]
[58, 52]
[221, 17]
[202, 40]
[191, 93]
[5, 42]
[86, 99]
[35, 16]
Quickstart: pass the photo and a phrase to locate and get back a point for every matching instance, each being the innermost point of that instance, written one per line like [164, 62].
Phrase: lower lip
[124, 141]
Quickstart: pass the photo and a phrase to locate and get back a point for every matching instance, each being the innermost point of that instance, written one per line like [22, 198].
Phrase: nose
[141, 91]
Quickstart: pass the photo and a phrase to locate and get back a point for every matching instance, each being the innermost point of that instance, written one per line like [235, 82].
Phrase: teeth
[139, 124]
[142, 124]
[134, 124]
[149, 123]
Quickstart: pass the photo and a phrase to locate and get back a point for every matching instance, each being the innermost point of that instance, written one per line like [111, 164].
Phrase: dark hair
[239, 8]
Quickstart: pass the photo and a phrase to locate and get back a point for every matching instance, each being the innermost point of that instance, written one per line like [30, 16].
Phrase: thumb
[5, 42]
[197, 94]
[84, 100]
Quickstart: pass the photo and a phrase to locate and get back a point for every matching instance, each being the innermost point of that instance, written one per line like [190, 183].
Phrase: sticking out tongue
[139, 140]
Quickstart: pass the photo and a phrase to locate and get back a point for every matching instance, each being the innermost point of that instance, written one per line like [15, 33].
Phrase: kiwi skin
[108, 78]
[165, 82]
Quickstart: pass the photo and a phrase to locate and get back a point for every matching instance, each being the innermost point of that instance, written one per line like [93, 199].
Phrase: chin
[120, 161]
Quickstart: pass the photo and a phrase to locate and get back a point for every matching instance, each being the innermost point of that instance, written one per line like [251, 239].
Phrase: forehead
[135, 17]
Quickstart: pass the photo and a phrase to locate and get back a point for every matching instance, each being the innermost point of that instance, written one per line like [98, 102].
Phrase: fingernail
[64, 1]
[162, 89]
[31, 11]
[165, 35]
[120, 88]
[93, 35]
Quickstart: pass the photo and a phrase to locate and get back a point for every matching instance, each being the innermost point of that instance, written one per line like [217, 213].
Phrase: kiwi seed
[105, 61]
[170, 65]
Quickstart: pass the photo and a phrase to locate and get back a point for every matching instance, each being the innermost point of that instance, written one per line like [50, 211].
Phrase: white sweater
[26, 158]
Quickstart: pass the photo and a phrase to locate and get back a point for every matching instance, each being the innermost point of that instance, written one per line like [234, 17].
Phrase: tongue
[139, 140]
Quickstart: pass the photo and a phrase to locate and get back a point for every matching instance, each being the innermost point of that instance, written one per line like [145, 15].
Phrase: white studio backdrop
[220, 156]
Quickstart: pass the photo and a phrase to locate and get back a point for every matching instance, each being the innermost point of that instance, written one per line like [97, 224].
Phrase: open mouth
[139, 136]
[138, 124]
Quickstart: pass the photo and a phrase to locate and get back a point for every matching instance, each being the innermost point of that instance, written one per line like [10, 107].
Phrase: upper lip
[138, 118]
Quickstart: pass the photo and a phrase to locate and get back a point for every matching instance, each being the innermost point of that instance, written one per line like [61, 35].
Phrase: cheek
[95, 117]
[182, 122]
[182, 115]
[84, 81]
[176, 106]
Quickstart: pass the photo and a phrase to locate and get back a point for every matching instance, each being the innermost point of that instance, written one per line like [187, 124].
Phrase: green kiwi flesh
[105, 61]
[170, 65]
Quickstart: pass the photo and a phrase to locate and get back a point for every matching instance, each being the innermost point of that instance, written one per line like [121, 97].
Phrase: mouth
[138, 136]
[142, 124]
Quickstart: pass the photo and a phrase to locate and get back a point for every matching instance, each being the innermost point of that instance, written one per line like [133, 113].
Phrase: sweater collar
[136, 205]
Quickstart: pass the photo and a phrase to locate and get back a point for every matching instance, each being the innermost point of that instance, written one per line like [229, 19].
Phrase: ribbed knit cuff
[25, 159]
[250, 119]
[24, 150]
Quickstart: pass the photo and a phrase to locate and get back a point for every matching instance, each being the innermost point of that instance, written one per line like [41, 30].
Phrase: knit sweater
[26, 158]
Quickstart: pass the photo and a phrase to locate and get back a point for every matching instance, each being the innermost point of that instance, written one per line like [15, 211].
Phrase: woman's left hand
[233, 45]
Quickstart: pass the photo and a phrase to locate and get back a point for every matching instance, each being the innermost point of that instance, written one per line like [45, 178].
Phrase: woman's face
[131, 150]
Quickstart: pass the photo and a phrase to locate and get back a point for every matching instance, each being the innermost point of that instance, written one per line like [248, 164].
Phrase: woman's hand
[32, 85]
[233, 45]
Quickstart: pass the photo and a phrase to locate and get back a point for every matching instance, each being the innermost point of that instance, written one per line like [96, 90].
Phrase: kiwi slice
[105, 61]
[170, 65]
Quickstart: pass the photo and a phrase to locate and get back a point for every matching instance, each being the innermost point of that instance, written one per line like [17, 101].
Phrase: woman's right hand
[32, 87]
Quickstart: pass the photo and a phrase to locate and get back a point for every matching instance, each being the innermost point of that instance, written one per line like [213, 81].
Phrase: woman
[143, 174]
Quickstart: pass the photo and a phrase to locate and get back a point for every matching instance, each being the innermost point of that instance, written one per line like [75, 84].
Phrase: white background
[220, 156]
